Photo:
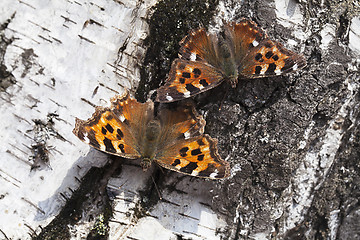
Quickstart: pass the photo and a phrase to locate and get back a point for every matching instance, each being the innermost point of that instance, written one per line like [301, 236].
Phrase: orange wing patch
[271, 59]
[108, 128]
[187, 78]
[106, 133]
[197, 156]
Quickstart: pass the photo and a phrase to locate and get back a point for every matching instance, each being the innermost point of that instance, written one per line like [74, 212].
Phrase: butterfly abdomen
[150, 140]
[227, 63]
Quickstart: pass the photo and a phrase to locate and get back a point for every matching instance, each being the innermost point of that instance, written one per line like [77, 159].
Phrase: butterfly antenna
[122, 184]
[223, 99]
[157, 189]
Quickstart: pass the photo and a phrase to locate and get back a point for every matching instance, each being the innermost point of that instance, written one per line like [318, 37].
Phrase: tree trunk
[292, 141]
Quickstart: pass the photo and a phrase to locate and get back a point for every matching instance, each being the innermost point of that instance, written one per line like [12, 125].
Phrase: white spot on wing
[295, 67]
[214, 174]
[102, 147]
[169, 98]
[86, 139]
[194, 173]
[122, 118]
[201, 87]
[193, 56]
[205, 149]
[277, 71]
[187, 94]
[186, 135]
[255, 43]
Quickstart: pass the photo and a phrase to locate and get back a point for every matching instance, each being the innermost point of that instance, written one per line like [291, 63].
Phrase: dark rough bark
[262, 122]
[275, 132]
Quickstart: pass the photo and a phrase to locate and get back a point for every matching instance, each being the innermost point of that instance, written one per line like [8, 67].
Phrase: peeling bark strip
[292, 141]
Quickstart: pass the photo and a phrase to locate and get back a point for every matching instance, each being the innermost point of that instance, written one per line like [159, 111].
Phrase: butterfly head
[145, 164]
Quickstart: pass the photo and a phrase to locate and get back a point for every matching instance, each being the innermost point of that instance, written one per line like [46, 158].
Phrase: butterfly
[205, 60]
[174, 139]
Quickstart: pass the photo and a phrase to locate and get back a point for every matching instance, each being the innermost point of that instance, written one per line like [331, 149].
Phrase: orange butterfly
[174, 139]
[206, 60]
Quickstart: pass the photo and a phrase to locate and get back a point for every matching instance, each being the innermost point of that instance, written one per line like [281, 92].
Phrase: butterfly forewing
[257, 55]
[270, 59]
[242, 38]
[117, 129]
[196, 156]
[187, 78]
[198, 46]
[184, 148]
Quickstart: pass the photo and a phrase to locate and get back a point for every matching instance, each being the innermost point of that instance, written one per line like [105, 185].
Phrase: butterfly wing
[198, 46]
[258, 56]
[118, 129]
[184, 148]
[188, 78]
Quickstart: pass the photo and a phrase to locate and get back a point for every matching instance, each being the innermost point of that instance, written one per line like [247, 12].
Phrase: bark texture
[292, 141]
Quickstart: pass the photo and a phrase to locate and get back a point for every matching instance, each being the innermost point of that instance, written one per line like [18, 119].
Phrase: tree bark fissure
[292, 141]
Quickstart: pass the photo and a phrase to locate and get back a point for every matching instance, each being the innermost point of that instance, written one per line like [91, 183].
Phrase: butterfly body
[243, 50]
[174, 139]
[150, 142]
[227, 63]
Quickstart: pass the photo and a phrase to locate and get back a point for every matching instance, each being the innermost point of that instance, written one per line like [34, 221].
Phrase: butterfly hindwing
[188, 78]
[116, 130]
[180, 123]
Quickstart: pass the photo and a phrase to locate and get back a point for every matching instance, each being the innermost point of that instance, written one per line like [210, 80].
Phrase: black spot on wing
[176, 162]
[200, 142]
[108, 145]
[119, 134]
[196, 152]
[270, 69]
[204, 83]
[206, 172]
[121, 147]
[109, 128]
[257, 69]
[186, 75]
[275, 57]
[200, 157]
[258, 56]
[103, 130]
[189, 168]
[182, 80]
[269, 54]
[196, 72]
[191, 88]
[183, 151]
